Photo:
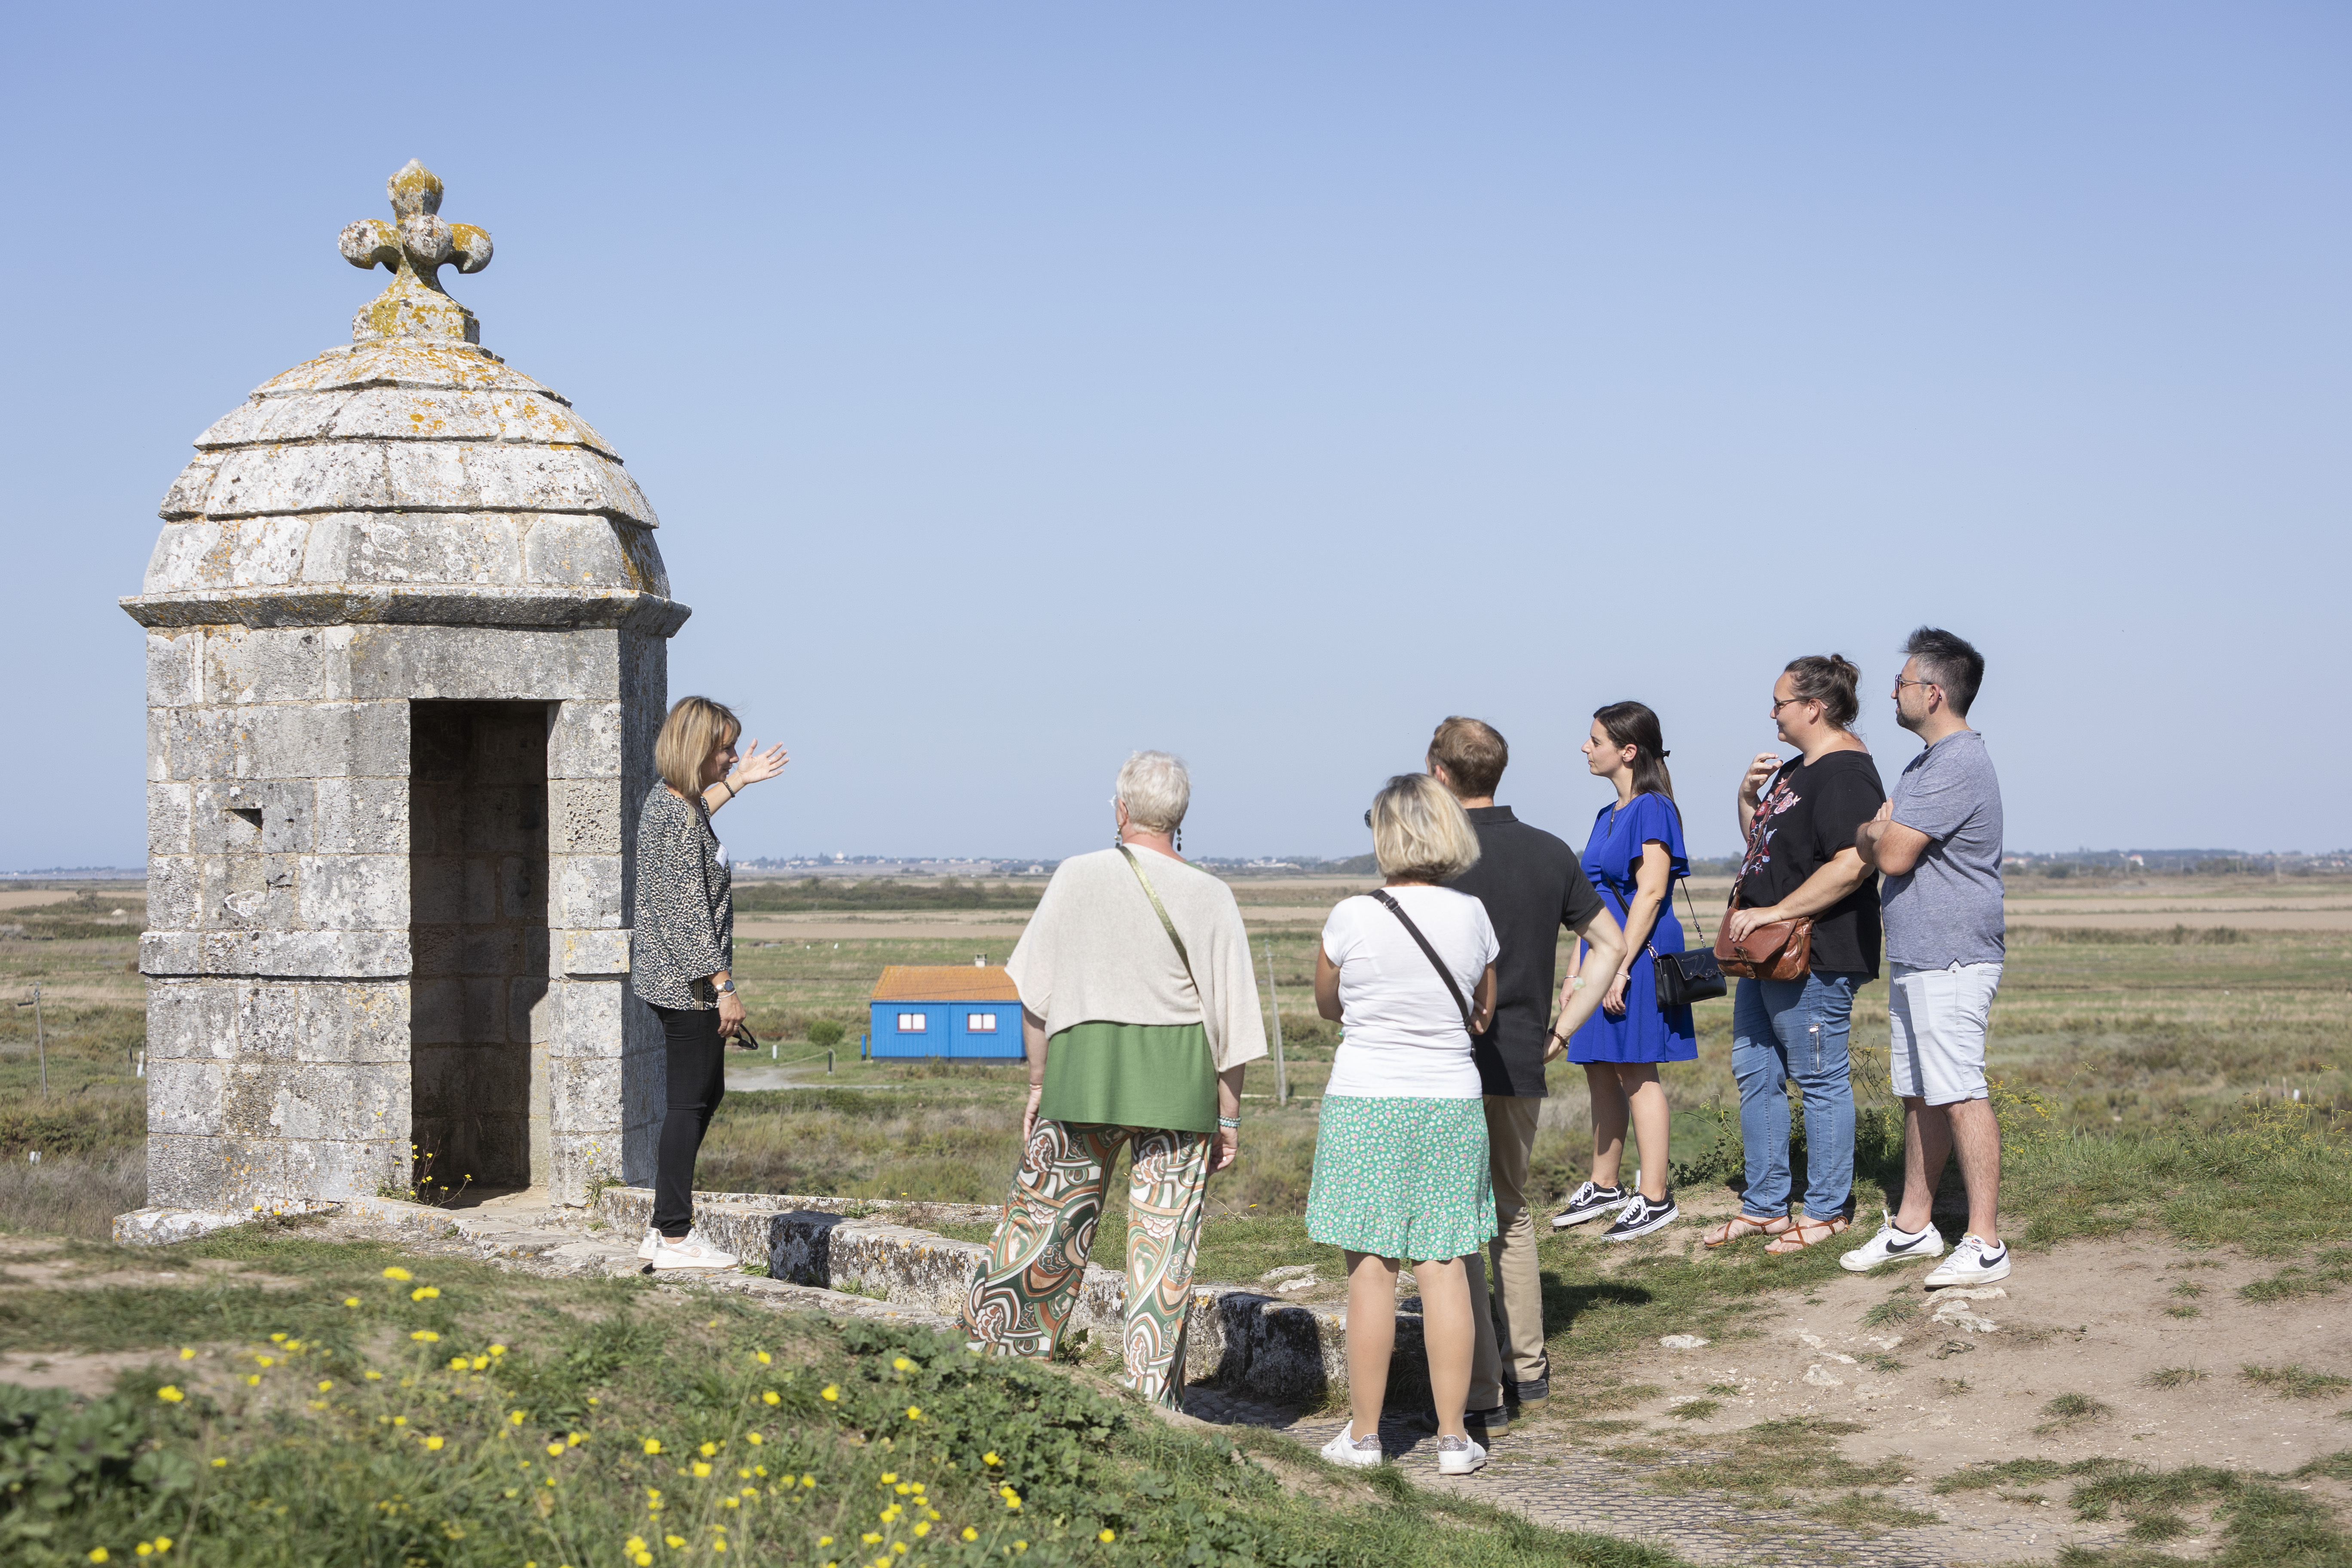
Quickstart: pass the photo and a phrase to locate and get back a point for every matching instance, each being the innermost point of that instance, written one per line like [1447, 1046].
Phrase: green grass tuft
[2294, 1382]
[2173, 1377]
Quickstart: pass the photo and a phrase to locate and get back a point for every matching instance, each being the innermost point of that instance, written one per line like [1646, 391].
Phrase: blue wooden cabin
[946, 1010]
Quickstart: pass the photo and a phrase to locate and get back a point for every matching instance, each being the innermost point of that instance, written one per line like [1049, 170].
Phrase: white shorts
[1938, 1050]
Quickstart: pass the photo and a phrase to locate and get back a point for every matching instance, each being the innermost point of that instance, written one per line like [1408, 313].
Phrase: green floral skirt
[1402, 1178]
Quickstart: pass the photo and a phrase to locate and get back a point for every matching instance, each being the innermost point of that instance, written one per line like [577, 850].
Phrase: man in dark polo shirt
[1533, 886]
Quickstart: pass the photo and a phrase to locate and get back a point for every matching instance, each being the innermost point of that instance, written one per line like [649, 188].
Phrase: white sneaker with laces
[646, 1247]
[1892, 1245]
[693, 1252]
[1459, 1456]
[1971, 1263]
[1363, 1452]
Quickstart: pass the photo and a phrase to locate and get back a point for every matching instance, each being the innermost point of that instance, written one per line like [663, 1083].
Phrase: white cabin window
[979, 1023]
[914, 1022]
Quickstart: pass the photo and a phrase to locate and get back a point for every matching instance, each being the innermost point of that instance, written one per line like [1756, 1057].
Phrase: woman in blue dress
[1634, 856]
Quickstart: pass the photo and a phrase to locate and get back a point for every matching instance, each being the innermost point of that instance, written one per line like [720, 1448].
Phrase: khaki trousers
[1508, 1325]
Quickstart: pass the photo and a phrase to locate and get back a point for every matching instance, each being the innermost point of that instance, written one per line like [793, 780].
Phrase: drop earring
[1179, 839]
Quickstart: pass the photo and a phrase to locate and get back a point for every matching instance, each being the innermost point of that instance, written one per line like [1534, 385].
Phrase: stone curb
[1236, 1338]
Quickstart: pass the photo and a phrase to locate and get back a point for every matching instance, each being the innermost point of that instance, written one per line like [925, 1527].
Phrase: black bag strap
[1683, 881]
[1451, 988]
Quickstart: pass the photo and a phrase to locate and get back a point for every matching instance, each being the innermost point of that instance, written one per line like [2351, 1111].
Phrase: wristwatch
[726, 990]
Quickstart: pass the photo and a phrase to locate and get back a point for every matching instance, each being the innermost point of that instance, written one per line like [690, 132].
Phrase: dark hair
[1633, 724]
[1475, 755]
[1828, 679]
[1949, 662]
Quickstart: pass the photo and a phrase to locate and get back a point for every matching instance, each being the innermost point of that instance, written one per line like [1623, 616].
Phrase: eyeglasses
[1785, 701]
[1900, 683]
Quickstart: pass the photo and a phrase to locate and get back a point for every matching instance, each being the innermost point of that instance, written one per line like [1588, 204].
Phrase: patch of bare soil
[91, 1375]
[2092, 1318]
[32, 1263]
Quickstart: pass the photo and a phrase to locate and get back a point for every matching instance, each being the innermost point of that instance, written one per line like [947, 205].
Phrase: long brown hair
[1633, 724]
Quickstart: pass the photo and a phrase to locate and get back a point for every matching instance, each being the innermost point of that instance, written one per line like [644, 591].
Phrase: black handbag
[1690, 976]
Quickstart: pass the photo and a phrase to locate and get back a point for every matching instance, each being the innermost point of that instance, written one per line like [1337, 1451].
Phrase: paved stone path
[1605, 1496]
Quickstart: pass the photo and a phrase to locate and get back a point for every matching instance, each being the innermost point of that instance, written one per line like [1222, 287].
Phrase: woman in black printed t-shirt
[1799, 817]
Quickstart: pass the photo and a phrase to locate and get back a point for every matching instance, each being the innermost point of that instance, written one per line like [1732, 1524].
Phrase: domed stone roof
[408, 476]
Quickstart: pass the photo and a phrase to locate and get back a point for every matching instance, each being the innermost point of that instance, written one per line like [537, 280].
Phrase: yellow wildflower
[514, 1417]
[914, 1412]
[351, 1301]
[169, 1394]
[432, 1445]
[763, 1357]
[1107, 1536]
[806, 1480]
[425, 1336]
[397, 1272]
[753, 1438]
[773, 1397]
[673, 1542]
[187, 1353]
[374, 1376]
[97, 1554]
[424, 1294]
[701, 1469]
[970, 1533]
[653, 1445]
[990, 1458]
[829, 1393]
[457, 1363]
[555, 1450]
[903, 1364]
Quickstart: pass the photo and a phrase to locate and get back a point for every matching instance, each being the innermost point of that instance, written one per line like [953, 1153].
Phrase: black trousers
[698, 1082]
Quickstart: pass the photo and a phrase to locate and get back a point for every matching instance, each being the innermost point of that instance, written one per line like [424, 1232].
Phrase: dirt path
[1933, 1394]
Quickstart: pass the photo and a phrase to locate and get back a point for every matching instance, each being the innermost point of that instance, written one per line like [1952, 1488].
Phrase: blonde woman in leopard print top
[682, 956]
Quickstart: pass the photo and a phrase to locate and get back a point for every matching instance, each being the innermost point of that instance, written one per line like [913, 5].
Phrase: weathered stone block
[173, 884]
[587, 892]
[585, 1091]
[328, 740]
[278, 664]
[355, 1023]
[325, 1102]
[171, 954]
[190, 1020]
[172, 661]
[583, 552]
[185, 1095]
[590, 1017]
[186, 1169]
[355, 893]
[362, 816]
[481, 663]
[268, 1021]
[327, 955]
[416, 547]
[586, 740]
[350, 1169]
[438, 1011]
[593, 952]
[167, 819]
[584, 816]
[196, 742]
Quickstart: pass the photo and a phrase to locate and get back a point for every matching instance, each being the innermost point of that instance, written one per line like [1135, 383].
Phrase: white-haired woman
[1139, 1012]
[682, 957]
[1400, 1157]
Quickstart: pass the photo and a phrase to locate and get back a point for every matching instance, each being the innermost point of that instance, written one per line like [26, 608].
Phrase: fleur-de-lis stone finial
[415, 249]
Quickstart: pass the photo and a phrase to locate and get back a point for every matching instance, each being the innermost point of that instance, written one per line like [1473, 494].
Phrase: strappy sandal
[1743, 1225]
[1799, 1237]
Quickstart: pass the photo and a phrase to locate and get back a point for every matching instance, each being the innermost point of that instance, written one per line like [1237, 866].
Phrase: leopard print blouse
[685, 906]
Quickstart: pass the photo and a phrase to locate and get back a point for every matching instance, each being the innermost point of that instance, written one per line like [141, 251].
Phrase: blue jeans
[1783, 1029]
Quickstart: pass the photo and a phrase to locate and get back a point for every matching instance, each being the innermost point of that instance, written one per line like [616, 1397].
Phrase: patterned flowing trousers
[1022, 1297]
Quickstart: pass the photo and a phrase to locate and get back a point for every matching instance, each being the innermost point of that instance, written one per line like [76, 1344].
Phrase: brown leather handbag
[1781, 950]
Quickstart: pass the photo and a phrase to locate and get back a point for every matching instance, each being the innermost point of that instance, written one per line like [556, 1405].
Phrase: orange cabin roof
[945, 983]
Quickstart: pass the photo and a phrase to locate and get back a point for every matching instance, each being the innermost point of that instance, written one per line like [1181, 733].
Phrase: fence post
[828, 1058]
[40, 1039]
[1281, 1072]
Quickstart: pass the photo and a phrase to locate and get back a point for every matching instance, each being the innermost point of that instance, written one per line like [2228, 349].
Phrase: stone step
[1238, 1338]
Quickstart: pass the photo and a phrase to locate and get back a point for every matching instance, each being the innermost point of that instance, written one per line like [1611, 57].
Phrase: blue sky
[1022, 384]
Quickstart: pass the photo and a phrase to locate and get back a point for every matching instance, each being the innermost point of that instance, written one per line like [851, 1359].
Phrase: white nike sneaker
[1363, 1453]
[691, 1253]
[1971, 1263]
[1459, 1456]
[646, 1247]
[1891, 1245]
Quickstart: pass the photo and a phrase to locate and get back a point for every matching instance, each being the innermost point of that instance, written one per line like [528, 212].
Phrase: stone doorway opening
[478, 932]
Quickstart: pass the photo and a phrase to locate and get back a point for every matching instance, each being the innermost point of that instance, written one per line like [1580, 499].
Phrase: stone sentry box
[407, 638]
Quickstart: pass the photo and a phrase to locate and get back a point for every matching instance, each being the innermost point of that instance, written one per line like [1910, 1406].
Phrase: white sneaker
[1363, 1452]
[1971, 1263]
[1891, 1245]
[646, 1247]
[691, 1253]
[1459, 1456]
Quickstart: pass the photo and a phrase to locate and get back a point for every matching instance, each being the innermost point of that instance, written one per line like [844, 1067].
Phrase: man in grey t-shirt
[1939, 841]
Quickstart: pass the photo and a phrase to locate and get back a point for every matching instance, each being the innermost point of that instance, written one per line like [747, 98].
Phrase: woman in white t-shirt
[1401, 1170]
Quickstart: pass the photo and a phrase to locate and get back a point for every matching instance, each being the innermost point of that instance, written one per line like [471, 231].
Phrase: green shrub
[826, 1033]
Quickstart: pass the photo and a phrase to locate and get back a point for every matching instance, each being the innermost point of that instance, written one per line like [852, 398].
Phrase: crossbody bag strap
[1435, 962]
[1161, 909]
